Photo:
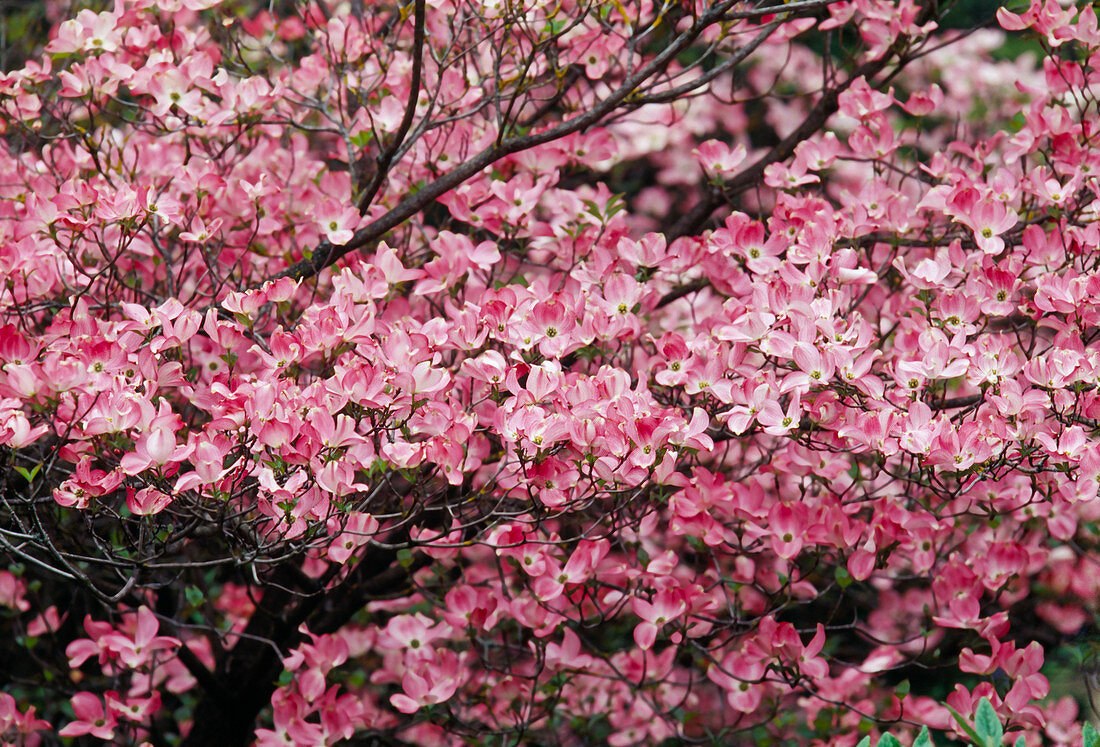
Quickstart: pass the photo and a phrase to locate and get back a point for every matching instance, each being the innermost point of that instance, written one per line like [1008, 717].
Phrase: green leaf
[194, 595]
[1092, 739]
[988, 724]
[965, 725]
[405, 557]
[865, 742]
[902, 689]
[888, 740]
[923, 739]
[29, 475]
[843, 578]
[1020, 741]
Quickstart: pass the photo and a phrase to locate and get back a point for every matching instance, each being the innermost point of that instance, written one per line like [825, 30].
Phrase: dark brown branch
[956, 403]
[695, 218]
[253, 665]
[327, 254]
[385, 158]
[679, 292]
[572, 75]
[198, 670]
[826, 106]
[674, 93]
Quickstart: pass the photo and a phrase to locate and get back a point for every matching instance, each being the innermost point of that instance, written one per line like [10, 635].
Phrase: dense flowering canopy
[551, 371]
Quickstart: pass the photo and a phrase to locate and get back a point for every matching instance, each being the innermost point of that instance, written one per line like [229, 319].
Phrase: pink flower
[201, 232]
[16, 724]
[929, 272]
[779, 422]
[157, 446]
[787, 525]
[809, 663]
[740, 675]
[719, 159]
[147, 501]
[134, 709]
[580, 566]
[12, 591]
[667, 605]
[988, 219]
[91, 718]
[414, 633]
[337, 222]
[357, 531]
[433, 680]
[290, 710]
[135, 650]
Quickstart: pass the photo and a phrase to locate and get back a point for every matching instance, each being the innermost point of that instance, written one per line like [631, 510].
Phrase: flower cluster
[546, 369]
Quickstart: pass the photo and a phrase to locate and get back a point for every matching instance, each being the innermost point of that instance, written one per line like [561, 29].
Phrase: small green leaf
[923, 739]
[194, 595]
[1020, 741]
[965, 725]
[843, 578]
[888, 740]
[865, 742]
[405, 557]
[1092, 739]
[902, 689]
[29, 475]
[988, 725]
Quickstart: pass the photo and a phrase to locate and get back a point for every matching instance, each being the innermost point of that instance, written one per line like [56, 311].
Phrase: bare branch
[385, 158]
[326, 254]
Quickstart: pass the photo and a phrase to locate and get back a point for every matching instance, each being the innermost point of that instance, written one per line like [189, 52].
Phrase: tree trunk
[248, 674]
